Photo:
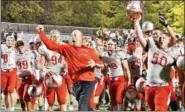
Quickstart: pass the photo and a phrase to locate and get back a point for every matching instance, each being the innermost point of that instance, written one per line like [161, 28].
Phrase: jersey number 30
[159, 60]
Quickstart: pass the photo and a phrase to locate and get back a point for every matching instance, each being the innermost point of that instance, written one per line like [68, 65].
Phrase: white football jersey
[7, 57]
[159, 64]
[25, 61]
[114, 63]
[135, 64]
[54, 60]
[139, 51]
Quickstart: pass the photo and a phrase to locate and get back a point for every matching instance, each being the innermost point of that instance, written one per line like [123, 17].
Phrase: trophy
[134, 9]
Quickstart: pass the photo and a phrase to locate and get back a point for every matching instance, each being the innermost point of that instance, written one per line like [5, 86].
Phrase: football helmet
[140, 84]
[53, 80]
[147, 26]
[133, 9]
[35, 90]
[180, 62]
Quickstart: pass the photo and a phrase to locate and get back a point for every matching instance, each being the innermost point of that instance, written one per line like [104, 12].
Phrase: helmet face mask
[148, 33]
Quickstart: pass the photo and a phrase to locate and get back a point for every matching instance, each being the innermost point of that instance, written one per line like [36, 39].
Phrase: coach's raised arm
[49, 44]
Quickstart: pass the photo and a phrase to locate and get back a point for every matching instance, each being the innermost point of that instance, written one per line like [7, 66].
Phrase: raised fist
[40, 28]
[163, 21]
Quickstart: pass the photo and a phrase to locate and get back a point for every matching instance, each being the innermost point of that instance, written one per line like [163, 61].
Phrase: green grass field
[18, 108]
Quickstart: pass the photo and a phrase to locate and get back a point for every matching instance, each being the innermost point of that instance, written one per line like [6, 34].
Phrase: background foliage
[109, 14]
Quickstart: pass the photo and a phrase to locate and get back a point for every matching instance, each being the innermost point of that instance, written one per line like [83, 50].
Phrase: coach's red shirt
[76, 57]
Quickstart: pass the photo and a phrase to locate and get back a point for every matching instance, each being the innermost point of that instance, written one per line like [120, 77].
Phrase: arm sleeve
[49, 44]
[96, 57]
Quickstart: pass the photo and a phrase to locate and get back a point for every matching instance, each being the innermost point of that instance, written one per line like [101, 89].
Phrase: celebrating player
[157, 91]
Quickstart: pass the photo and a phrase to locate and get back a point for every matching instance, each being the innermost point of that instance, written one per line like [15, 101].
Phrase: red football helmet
[131, 47]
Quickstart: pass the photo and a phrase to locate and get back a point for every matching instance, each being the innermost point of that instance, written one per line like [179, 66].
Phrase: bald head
[77, 38]
[77, 33]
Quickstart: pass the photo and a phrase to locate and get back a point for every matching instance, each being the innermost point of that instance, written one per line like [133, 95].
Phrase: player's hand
[91, 63]
[163, 21]
[40, 28]
[137, 18]
[48, 72]
[129, 82]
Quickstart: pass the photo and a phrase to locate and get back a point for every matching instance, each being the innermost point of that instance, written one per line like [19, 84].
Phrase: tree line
[108, 14]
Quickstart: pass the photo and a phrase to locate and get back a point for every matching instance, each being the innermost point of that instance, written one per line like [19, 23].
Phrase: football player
[8, 71]
[118, 77]
[134, 58]
[52, 61]
[177, 81]
[157, 91]
[37, 43]
[25, 62]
